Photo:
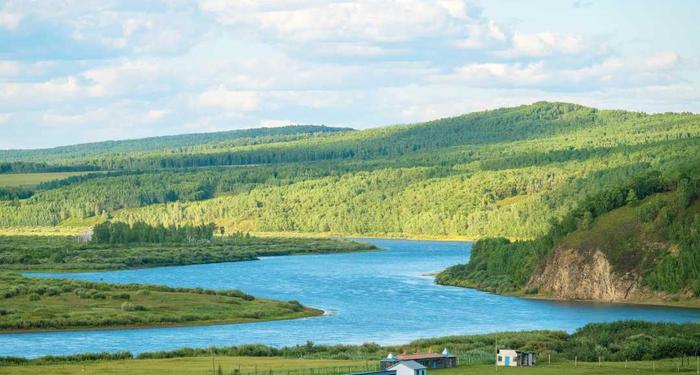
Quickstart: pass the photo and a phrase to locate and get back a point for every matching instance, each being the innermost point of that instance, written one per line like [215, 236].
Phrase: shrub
[128, 306]
[34, 297]
[295, 306]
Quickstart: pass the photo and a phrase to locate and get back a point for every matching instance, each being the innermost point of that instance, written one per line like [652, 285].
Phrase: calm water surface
[385, 297]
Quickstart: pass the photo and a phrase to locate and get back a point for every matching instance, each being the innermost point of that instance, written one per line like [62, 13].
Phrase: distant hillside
[509, 172]
[173, 144]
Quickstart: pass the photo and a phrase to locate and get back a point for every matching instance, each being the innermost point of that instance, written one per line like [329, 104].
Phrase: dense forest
[99, 154]
[122, 233]
[508, 172]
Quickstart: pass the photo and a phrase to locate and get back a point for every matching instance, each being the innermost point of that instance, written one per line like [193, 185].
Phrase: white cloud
[483, 35]
[9, 20]
[498, 73]
[4, 118]
[610, 72]
[230, 100]
[155, 115]
[363, 20]
[8, 68]
[268, 123]
[663, 60]
[31, 94]
[548, 44]
[130, 76]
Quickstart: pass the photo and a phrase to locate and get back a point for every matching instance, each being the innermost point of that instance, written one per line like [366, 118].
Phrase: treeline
[122, 233]
[616, 341]
[12, 193]
[503, 125]
[97, 153]
[679, 220]
[32, 167]
[57, 253]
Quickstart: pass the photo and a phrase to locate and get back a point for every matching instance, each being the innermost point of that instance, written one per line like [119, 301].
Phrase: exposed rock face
[572, 274]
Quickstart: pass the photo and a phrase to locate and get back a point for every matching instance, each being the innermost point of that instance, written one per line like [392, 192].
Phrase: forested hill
[88, 153]
[510, 172]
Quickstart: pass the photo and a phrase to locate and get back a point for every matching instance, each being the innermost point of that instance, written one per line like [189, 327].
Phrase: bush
[128, 306]
[34, 297]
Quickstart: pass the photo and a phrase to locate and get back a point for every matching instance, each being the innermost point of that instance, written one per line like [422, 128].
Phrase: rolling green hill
[102, 154]
[509, 172]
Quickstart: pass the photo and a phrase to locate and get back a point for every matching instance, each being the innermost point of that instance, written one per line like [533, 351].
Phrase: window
[500, 359]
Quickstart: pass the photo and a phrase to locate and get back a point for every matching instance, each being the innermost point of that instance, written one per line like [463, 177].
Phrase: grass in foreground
[30, 304]
[669, 366]
[33, 179]
[193, 366]
[286, 366]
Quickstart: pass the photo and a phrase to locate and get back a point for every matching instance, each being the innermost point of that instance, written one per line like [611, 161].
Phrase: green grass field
[286, 366]
[32, 179]
[60, 231]
[194, 366]
[47, 304]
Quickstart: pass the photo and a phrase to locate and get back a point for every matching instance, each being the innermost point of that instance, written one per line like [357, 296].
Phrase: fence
[335, 370]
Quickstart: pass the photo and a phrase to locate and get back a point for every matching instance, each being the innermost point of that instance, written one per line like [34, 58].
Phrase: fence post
[575, 361]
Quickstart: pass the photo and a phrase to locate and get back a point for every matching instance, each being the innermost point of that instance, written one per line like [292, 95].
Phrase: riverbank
[692, 303]
[40, 305]
[663, 347]
[66, 254]
[376, 236]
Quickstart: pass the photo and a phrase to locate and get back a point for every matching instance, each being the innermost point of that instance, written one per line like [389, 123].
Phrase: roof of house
[414, 356]
[413, 365]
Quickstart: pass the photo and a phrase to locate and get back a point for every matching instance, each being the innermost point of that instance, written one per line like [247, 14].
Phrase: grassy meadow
[33, 179]
[191, 366]
[64, 253]
[30, 304]
[287, 366]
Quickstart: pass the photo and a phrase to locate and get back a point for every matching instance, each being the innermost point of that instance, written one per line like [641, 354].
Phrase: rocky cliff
[572, 274]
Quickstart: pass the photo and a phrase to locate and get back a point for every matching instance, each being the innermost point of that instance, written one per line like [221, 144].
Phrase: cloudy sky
[86, 70]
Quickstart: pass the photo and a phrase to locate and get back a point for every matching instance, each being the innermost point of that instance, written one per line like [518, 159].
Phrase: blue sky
[77, 71]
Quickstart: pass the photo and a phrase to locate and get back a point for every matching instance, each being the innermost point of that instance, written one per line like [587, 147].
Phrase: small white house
[408, 368]
[511, 358]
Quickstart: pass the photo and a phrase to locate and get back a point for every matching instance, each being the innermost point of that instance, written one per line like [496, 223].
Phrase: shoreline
[375, 236]
[313, 313]
[692, 305]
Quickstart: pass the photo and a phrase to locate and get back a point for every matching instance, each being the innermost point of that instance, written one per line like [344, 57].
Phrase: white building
[408, 368]
[509, 357]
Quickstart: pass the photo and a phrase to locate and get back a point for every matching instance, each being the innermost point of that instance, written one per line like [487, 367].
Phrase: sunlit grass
[32, 179]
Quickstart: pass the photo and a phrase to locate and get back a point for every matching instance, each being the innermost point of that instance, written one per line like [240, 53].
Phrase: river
[385, 297]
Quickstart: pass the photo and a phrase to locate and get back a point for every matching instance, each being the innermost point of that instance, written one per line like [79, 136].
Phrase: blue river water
[385, 297]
